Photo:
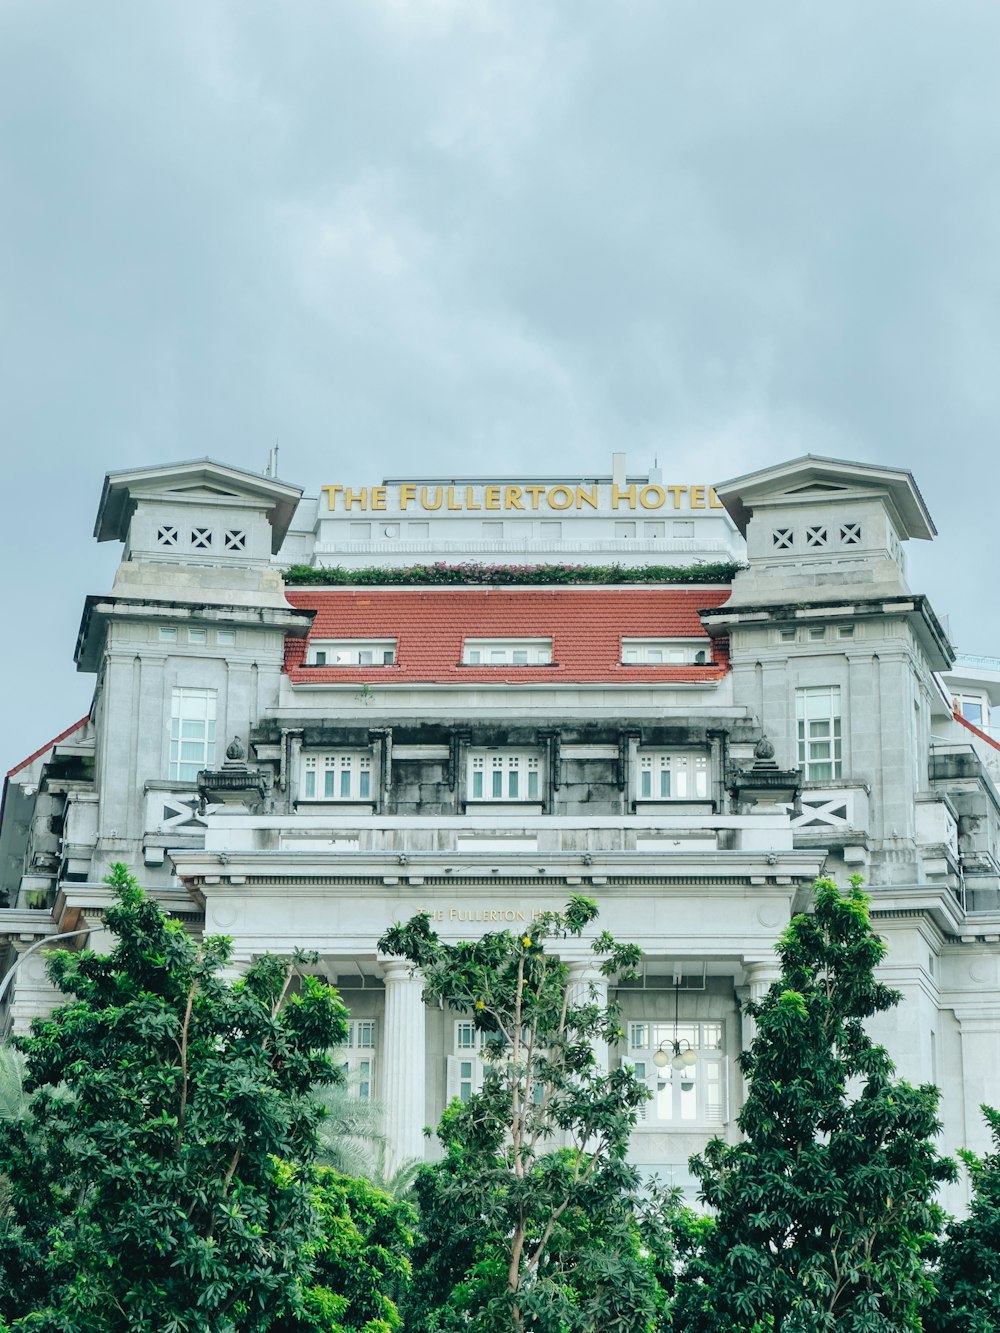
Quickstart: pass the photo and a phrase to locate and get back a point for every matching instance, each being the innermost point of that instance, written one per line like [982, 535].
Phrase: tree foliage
[968, 1298]
[822, 1214]
[529, 1220]
[360, 1261]
[150, 1180]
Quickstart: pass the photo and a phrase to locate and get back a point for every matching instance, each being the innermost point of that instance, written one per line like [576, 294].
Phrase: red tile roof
[586, 626]
[48, 746]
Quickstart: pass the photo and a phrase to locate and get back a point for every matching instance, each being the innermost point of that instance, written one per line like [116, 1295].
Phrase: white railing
[843, 808]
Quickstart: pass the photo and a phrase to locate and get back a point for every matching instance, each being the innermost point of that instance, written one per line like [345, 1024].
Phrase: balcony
[486, 837]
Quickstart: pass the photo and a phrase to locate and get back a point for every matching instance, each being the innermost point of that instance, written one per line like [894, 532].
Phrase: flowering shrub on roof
[471, 573]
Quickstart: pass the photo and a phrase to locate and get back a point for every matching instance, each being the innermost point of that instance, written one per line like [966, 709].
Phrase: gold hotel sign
[505, 498]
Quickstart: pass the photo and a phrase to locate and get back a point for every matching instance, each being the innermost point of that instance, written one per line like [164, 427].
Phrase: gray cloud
[503, 235]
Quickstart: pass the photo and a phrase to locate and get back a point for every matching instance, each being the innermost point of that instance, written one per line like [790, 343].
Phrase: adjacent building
[301, 760]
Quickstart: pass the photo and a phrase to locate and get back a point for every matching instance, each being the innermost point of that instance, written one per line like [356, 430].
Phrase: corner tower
[837, 659]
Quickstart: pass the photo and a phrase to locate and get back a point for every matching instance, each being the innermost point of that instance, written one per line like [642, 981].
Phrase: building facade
[300, 763]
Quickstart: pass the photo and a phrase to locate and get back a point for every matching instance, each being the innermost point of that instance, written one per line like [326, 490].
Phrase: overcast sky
[488, 235]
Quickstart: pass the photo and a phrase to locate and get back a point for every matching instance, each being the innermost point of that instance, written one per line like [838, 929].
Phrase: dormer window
[665, 652]
[507, 652]
[351, 652]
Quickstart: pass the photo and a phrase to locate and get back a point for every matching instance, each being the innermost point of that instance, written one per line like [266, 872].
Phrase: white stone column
[403, 1058]
[588, 986]
[30, 994]
[760, 978]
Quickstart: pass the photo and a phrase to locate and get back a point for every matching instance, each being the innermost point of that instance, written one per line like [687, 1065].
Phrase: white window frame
[819, 733]
[192, 732]
[966, 700]
[351, 652]
[338, 775]
[507, 652]
[666, 652]
[465, 1068]
[506, 776]
[681, 1099]
[673, 775]
[359, 1057]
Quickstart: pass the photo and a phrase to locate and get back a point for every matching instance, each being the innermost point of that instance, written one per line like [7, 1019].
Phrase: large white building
[303, 763]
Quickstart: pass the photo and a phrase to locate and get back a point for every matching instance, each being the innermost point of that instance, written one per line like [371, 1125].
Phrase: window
[664, 652]
[344, 775]
[817, 715]
[197, 636]
[816, 536]
[359, 1065]
[493, 530]
[693, 1095]
[225, 638]
[973, 708]
[507, 652]
[786, 635]
[845, 631]
[233, 539]
[623, 528]
[465, 1067]
[817, 633]
[167, 534]
[850, 534]
[201, 538]
[192, 733]
[168, 634]
[654, 528]
[781, 539]
[667, 775]
[352, 652]
[504, 775]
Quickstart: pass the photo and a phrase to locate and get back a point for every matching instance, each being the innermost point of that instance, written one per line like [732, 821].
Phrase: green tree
[151, 1184]
[361, 1260]
[529, 1220]
[351, 1137]
[968, 1299]
[13, 1099]
[823, 1213]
